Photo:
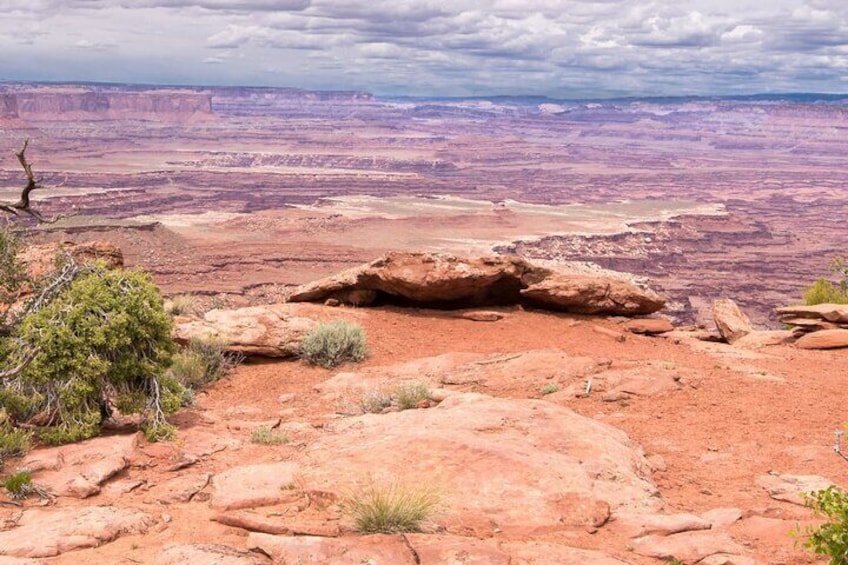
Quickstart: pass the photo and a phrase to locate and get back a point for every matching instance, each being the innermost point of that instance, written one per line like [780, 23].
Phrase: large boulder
[730, 321]
[269, 331]
[448, 281]
[584, 294]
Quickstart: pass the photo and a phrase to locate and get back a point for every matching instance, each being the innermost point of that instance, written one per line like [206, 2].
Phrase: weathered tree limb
[23, 205]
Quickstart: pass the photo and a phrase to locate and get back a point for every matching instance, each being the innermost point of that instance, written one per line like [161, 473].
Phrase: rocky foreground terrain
[546, 436]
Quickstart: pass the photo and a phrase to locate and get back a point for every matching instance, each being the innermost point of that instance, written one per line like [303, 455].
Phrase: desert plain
[647, 449]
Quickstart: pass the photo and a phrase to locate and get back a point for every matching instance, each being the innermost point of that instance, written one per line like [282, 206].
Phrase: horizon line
[763, 95]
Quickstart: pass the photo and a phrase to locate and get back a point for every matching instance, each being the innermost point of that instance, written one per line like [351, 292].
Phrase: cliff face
[44, 104]
[8, 106]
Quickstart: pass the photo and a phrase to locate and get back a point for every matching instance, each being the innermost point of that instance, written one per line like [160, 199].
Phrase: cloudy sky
[560, 48]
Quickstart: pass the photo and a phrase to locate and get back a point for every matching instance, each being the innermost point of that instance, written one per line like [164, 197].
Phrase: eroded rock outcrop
[516, 466]
[269, 331]
[820, 326]
[730, 321]
[43, 532]
[40, 259]
[448, 281]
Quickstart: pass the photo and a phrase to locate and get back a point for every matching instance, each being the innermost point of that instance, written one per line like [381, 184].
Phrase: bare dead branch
[15, 371]
[23, 204]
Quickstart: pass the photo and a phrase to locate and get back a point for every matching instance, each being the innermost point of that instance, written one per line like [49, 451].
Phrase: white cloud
[554, 47]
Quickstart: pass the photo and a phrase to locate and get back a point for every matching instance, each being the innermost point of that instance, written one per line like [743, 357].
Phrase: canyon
[706, 197]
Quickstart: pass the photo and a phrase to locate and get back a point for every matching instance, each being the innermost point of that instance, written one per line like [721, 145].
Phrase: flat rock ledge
[821, 326]
[439, 280]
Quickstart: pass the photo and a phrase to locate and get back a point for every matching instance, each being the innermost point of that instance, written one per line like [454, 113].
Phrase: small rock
[688, 547]
[332, 302]
[481, 316]
[615, 396]
[722, 517]
[791, 488]
[648, 326]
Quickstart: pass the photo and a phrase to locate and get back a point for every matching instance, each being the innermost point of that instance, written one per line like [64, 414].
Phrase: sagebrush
[202, 361]
[265, 435]
[332, 343]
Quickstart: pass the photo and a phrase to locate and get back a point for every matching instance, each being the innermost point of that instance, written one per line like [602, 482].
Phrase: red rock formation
[447, 281]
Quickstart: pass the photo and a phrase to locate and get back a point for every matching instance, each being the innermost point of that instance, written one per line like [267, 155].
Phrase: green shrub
[202, 362]
[824, 291]
[14, 442]
[104, 340]
[549, 388]
[332, 343]
[264, 435]
[404, 396]
[392, 508]
[375, 401]
[831, 538]
[19, 484]
[410, 395]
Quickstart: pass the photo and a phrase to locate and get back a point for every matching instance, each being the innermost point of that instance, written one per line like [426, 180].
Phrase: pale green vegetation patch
[332, 343]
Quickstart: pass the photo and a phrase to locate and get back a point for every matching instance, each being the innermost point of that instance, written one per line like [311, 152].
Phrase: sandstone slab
[208, 554]
[520, 466]
[268, 331]
[639, 525]
[180, 489]
[758, 339]
[824, 339]
[313, 550]
[592, 295]
[648, 326]
[687, 547]
[249, 486]
[53, 531]
[532, 553]
[79, 470]
[837, 313]
[449, 281]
